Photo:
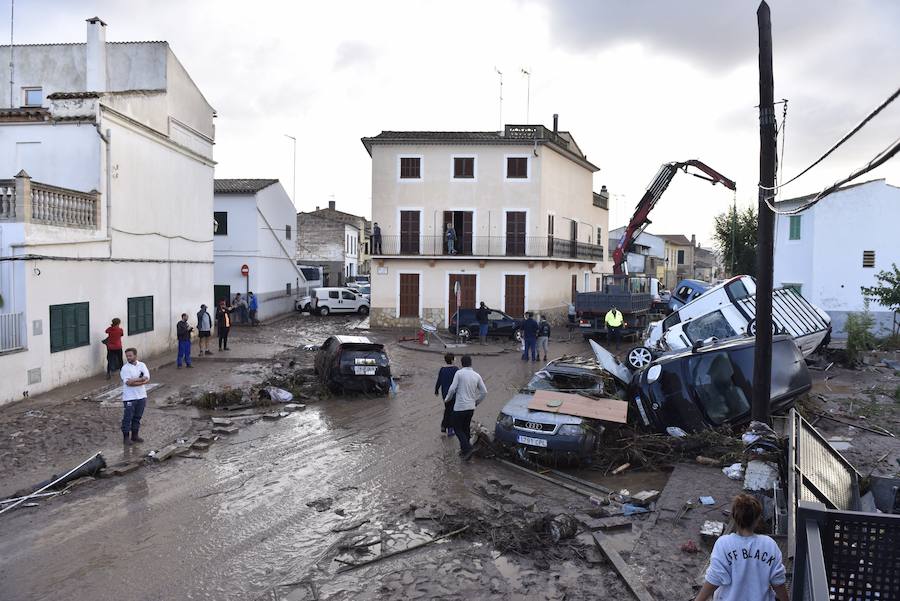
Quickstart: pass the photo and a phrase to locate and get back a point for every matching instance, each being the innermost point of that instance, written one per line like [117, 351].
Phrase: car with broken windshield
[542, 434]
[353, 364]
[710, 386]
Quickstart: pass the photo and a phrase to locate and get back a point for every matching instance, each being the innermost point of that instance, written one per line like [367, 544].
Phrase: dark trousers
[614, 334]
[131, 419]
[447, 421]
[184, 352]
[530, 346]
[253, 320]
[223, 337]
[114, 361]
[462, 423]
[376, 244]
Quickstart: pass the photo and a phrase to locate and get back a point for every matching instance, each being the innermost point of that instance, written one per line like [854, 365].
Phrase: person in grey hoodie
[469, 388]
[204, 330]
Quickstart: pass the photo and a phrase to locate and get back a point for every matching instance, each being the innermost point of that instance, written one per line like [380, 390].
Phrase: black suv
[713, 385]
[353, 363]
[499, 325]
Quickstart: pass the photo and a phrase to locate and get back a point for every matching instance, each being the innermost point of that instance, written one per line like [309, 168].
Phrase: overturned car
[353, 364]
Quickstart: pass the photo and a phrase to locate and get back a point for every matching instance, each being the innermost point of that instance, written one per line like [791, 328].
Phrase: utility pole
[12, 23]
[527, 75]
[500, 75]
[768, 151]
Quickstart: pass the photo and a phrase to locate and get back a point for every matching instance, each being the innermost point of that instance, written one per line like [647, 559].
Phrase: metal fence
[487, 246]
[11, 335]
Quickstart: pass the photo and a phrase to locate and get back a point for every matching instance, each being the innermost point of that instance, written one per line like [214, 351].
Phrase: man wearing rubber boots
[135, 377]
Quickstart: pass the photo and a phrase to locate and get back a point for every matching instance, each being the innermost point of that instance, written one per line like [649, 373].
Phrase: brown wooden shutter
[409, 232]
[514, 301]
[409, 295]
[515, 233]
[467, 298]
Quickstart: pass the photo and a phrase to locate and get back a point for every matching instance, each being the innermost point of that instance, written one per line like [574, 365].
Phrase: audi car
[542, 435]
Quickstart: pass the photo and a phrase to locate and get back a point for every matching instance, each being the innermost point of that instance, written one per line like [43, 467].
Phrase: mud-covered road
[258, 509]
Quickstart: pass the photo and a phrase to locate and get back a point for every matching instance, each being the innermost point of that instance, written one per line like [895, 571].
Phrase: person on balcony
[376, 239]
[451, 239]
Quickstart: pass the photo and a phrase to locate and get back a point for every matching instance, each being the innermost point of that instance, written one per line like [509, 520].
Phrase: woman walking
[114, 360]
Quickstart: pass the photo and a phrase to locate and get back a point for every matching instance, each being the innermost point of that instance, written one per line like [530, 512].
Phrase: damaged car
[710, 386]
[353, 364]
[541, 433]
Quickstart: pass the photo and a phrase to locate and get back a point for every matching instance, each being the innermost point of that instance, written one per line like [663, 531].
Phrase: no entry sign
[245, 269]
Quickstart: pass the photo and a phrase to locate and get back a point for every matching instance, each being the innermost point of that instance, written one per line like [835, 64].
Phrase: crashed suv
[713, 385]
[353, 363]
[530, 432]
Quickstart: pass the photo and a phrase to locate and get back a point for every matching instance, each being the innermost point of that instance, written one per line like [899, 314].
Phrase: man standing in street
[183, 331]
[481, 315]
[442, 386]
[223, 324]
[254, 308]
[204, 330]
[135, 377]
[376, 239]
[614, 321]
[469, 390]
[530, 332]
[543, 337]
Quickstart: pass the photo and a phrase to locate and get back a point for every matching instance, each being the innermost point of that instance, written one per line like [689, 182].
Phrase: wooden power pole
[762, 360]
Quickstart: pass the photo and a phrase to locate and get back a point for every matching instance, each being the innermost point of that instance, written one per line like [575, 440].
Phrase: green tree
[887, 291]
[735, 239]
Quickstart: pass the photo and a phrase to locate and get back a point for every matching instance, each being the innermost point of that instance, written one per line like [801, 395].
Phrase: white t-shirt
[130, 372]
[745, 568]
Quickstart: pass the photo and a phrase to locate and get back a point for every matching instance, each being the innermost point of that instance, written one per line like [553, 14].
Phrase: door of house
[409, 295]
[462, 223]
[514, 296]
[410, 231]
[221, 292]
[467, 283]
[515, 233]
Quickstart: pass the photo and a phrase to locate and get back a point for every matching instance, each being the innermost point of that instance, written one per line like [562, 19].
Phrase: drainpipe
[107, 139]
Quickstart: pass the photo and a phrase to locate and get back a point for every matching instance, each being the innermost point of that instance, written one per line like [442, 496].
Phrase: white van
[728, 311]
[339, 300]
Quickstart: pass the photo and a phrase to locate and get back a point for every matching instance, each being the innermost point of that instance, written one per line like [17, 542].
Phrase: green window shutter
[82, 324]
[70, 326]
[140, 314]
[56, 329]
[795, 227]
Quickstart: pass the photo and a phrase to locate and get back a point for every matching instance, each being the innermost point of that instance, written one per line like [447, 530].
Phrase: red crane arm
[654, 192]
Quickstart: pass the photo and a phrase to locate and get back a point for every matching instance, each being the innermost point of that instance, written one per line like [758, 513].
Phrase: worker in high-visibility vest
[614, 321]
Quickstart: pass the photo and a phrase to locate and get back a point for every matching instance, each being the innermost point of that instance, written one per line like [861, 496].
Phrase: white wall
[827, 260]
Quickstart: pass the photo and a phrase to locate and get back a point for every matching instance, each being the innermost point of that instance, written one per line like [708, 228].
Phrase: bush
[859, 335]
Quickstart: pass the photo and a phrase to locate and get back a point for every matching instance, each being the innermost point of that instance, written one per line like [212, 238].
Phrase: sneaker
[451, 432]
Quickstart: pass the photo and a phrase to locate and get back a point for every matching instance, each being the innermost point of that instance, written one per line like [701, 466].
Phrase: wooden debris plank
[608, 410]
[624, 570]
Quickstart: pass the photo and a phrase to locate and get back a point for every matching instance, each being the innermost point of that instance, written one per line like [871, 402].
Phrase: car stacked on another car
[353, 363]
[552, 435]
[500, 325]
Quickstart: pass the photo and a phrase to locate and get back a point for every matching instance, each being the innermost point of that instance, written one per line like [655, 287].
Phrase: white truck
[728, 311]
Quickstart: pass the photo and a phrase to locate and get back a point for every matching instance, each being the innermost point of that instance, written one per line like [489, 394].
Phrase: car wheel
[464, 333]
[639, 357]
[324, 311]
[364, 310]
[517, 335]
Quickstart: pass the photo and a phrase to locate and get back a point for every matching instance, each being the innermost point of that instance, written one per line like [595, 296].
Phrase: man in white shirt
[469, 390]
[135, 377]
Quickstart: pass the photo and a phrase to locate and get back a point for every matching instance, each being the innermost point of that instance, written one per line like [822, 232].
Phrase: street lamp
[527, 75]
[294, 176]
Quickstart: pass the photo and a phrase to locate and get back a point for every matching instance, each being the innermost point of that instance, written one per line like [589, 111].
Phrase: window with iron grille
[69, 326]
[140, 314]
[463, 167]
[410, 168]
[517, 168]
[868, 258]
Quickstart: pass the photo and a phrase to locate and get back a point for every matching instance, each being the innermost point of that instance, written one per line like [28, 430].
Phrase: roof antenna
[500, 74]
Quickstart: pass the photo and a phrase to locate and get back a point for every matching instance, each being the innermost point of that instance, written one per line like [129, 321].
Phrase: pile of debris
[655, 451]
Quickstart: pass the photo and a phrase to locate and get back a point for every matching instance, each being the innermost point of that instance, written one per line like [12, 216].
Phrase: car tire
[324, 311]
[639, 357]
[364, 310]
[464, 333]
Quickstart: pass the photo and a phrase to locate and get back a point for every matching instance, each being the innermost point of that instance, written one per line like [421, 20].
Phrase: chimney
[693, 240]
[555, 123]
[95, 66]
[331, 204]
[317, 207]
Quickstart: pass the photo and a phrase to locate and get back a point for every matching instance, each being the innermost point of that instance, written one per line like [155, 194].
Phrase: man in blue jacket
[442, 386]
[530, 332]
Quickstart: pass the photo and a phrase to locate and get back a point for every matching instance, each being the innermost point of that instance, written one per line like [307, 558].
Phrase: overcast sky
[637, 83]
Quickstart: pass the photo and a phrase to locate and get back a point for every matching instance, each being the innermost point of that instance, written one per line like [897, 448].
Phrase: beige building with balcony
[527, 228]
[106, 205]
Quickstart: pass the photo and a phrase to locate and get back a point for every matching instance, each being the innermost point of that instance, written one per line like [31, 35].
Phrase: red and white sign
[245, 269]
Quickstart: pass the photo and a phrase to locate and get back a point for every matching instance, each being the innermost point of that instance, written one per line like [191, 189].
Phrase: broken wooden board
[225, 430]
[608, 410]
[631, 580]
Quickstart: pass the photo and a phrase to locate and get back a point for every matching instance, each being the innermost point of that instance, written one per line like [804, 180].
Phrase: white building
[110, 214]
[837, 246]
[529, 227]
[649, 252]
[254, 226]
[351, 251]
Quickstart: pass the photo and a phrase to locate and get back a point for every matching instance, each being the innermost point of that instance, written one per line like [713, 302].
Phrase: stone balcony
[23, 200]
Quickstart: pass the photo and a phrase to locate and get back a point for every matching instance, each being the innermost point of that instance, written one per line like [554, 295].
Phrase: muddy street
[258, 509]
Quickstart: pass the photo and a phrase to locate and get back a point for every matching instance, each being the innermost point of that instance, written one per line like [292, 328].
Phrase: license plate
[363, 370]
[535, 442]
